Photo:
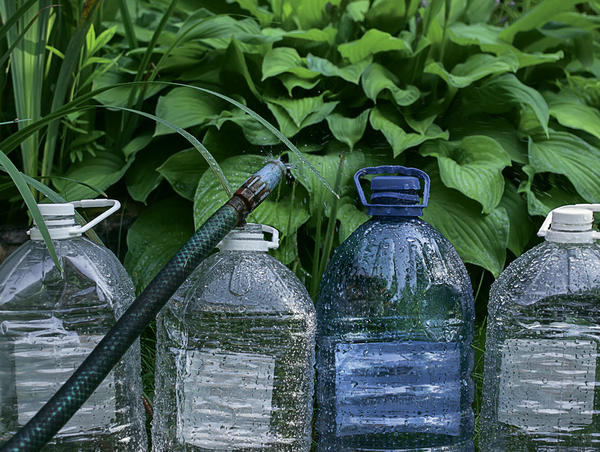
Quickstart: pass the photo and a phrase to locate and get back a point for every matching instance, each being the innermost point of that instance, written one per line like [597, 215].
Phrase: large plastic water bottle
[50, 321]
[395, 324]
[541, 384]
[235, 354]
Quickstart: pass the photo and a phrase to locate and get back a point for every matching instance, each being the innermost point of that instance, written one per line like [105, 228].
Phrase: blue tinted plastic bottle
[541, 377]
[394, 329]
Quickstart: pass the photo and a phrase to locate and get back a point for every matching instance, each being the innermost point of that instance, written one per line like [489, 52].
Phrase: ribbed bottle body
[49, 323]
[395, 323]
[542, 372]
[235, 359]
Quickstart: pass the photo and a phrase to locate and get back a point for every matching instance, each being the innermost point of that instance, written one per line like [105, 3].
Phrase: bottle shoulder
[242, 281]
[547, 270]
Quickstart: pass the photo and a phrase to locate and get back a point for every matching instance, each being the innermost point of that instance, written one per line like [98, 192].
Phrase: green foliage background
[497, 101]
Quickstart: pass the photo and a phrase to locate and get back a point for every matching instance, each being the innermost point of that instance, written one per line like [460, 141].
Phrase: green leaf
[479, 239]
[384, 120]
[357, 10]
[185, 108]
[263, 15]
[387, 15]
[472, 166]
[291, 81]
[235, 70]
[475, 68]
[136, 145]
[500, 92]
[521, 227]
[209, 196]
[314, 35]
[348, 130]
[567, 154]
[142, 177]
[350, 219]
[101, 171]
[154, 238]
[377, 78]
[372, 42]
[282, 60]
[480, 10]
[183, 171]
[537, 17]
[351, 73]
[571, 112]
[294, 114]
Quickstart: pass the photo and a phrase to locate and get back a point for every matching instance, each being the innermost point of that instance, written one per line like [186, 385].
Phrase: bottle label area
[547, 384]
[408, 387]
[226, 399]
[43, 363]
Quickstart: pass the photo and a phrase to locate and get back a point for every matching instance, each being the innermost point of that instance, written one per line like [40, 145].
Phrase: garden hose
[59, 409]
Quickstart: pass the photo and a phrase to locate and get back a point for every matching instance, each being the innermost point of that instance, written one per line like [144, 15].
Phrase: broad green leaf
[386, 15]
[291, 81]
[253, 130]
[303, 14]
[263, 15]
[521, 227]
[350, 219]
[537, 17]
[472, 166]
[376, 78]
[571, 112]
[372, 42]
[357, 10]
[154, 238]
[350, 73]
[486, 37]
[326, 35]
[235, 71]
[475, 68]
[567, 154]
[503, 91]
[209, 196]
[541, 202]
[142, 177]
[480, 10]
[136, 144]
[398, 138]
[100, 172]
[183, 171]
[294, 114]
[348, 130]
[185, 108]
[479, 239]
[282, 60]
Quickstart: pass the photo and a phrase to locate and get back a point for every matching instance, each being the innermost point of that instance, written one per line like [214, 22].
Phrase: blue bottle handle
[393, 169]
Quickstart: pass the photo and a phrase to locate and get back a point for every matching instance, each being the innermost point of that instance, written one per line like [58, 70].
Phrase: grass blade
[18, 179]
[128, 25]
[15, 17]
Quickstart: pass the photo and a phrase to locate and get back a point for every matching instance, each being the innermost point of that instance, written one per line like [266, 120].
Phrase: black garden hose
[59, 409]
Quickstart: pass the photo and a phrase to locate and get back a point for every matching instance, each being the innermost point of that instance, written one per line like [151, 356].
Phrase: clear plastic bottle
[394, 328]
[50, 322]
[235, 354]
[541, 360]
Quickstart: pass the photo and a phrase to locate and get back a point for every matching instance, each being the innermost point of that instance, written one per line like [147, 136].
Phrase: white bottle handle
[543, 231]
[87, 203]
[274, 242]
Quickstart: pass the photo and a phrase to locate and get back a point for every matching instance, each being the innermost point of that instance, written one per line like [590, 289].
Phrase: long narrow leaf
[21, 185]
[15, 17]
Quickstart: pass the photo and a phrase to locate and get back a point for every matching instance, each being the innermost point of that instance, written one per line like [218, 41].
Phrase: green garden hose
[59, 409]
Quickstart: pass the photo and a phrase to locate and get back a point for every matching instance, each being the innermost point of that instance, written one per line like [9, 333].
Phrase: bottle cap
[60, 218]
[394, 195]
[571, 224]
[250, 237]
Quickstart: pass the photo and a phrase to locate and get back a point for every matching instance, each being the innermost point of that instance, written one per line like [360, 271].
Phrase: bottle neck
[59, 227]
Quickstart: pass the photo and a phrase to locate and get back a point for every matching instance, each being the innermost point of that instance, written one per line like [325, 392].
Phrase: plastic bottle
[50, 322]
[541, 360]
[235, 354]
[394, 328]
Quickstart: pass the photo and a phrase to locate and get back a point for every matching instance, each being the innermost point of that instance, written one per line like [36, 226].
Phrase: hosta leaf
[350, 218]
[536, 17]
[285, 59]
[142, 178]
[372, 42]
[294, 114]
[235, 71]
[396, 136]
[185, 107]
[472, 166]
[253, 131]
[475, 68]
[348, 130]
[479, 239]
[291, 81]
[500, 92]
[350, 73]
[304, 14]
[263, 15]
[154, 238]
[571, 112]
[183, 170]
[480, 11]
[357, 10]
[386, 15]
[567, 154]
[376, 78]
[521, 227]
[314, 34]
[100, 171]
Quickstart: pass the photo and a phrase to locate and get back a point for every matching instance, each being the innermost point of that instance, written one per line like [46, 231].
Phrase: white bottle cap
[250, 237]
[60, 218]
[571, 224]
